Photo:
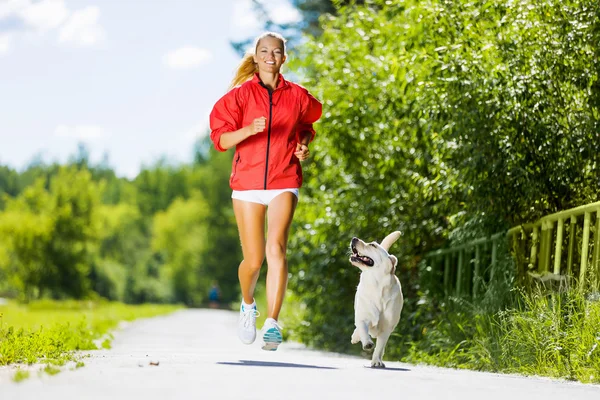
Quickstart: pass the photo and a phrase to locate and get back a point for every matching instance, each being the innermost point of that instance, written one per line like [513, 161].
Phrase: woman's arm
[230, 139]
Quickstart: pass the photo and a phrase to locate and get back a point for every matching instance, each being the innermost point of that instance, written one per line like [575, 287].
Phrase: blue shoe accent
[272, 337]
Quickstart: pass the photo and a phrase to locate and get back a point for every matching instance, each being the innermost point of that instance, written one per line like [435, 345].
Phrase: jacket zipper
[269, 134]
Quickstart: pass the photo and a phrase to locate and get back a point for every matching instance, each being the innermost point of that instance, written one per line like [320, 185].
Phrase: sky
[134, 80]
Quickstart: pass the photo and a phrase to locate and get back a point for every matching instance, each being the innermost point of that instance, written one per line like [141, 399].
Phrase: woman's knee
[254, 263]
[276, 251]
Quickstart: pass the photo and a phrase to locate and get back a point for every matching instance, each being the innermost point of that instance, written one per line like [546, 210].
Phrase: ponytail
[245, 70]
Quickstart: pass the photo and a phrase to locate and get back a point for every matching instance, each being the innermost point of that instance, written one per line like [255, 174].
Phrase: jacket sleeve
[226, 116]
[311, 112]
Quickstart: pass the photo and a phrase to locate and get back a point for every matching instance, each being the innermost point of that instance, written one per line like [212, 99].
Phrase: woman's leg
[279, 219]
[250, 218]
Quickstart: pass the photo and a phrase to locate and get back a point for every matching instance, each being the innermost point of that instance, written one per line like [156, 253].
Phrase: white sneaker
[247, 324]
[271, 335]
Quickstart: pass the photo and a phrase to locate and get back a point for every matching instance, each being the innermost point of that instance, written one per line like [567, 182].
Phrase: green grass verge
[552, 335]
[51, 331]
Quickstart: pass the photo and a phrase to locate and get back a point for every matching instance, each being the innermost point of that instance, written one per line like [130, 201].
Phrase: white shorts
[263, 197]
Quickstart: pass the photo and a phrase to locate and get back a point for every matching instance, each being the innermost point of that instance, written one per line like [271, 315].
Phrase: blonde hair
[247, 67]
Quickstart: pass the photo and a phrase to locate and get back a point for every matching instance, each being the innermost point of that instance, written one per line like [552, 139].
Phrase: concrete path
[200, 357]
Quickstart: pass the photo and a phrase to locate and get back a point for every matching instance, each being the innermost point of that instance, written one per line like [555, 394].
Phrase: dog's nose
[354, 240]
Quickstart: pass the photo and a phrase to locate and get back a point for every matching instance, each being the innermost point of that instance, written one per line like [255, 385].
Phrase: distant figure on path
[214, 296]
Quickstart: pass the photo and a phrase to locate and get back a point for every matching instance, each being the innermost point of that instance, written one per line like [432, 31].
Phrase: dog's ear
[390, 240]
[394, 262]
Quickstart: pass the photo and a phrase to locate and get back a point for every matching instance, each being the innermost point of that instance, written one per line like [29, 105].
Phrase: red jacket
[265, 160]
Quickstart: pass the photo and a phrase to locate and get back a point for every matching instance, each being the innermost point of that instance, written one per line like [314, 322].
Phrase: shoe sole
[272, 339]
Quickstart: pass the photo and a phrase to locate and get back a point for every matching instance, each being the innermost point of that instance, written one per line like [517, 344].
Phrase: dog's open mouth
[357, 257]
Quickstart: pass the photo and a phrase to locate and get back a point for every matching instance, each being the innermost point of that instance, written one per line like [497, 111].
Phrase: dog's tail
[390, 240]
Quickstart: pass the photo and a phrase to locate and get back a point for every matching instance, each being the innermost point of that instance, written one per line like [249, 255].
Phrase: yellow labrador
[378, 301]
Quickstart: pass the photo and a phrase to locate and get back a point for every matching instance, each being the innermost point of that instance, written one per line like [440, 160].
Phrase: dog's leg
[362, 330]
[376, 361]
[355, 337]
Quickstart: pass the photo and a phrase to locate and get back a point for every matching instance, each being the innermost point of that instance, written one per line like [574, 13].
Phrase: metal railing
[563, 247]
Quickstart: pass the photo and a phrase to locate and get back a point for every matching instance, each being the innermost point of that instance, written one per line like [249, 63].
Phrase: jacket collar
[281, 82]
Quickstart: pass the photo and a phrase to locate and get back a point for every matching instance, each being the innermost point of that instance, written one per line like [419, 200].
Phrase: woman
[269, 122]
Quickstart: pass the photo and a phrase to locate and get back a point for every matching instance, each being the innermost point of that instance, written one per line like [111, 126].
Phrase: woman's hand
[257, 126]
[302, 151]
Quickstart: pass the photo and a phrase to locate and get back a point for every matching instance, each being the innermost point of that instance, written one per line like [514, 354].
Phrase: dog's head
[369, 256]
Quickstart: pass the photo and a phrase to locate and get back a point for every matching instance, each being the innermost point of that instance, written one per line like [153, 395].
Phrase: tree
[180, 234]
[51, 234]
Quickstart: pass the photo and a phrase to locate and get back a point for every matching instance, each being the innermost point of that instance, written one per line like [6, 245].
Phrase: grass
[50, 332]
[552, 335]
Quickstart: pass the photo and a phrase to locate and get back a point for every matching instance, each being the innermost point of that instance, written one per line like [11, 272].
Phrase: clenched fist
[258, 125]
[302, 151]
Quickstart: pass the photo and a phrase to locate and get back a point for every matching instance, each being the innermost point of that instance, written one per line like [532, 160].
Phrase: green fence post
[572, 226]
[584, 250]
[534, 247]
[447, 273]
[548, 249]
[476, 278]
[494, 260]
[558, 248]
[596, 257]
[459, 274]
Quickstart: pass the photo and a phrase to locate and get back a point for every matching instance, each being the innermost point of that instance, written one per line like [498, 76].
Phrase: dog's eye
[372, 245]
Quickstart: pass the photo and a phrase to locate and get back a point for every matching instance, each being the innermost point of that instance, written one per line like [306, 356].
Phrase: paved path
[200, 357]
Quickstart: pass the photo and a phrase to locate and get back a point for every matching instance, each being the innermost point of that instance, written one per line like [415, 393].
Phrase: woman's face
[269, 54]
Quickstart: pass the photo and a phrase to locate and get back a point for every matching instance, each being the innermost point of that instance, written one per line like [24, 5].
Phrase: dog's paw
[368, 346]
[377, 364]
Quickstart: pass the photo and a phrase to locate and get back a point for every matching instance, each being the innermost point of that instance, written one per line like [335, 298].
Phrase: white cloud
[82, 28]
[43, 15]
[10, 8]
[5, 40]
[284, 13]
[80, 132]
[244, 18]
[187, 57]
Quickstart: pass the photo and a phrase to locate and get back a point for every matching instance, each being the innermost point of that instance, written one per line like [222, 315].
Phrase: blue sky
[135, 79]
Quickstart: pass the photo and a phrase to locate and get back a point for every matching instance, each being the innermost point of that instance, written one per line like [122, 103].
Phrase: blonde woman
[268, 120]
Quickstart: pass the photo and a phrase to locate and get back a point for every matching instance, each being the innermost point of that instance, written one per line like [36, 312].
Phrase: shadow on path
[252, 363]
[388, 369]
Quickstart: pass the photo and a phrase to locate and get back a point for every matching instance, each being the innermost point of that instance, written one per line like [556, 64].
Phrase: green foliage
[78, 231]
[180, 235]
[522, 104]
[223, 255]
[545, 335]
[439, 115]
[49, 234]
[380, 130]
[159, 186]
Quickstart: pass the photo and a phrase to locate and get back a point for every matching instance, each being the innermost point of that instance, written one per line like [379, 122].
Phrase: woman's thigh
[250, 218]
[279, 219]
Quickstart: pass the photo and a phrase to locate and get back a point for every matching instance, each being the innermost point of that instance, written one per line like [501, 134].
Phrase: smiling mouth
[357, 257]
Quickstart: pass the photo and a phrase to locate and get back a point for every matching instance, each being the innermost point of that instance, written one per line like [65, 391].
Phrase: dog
[379, 300]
